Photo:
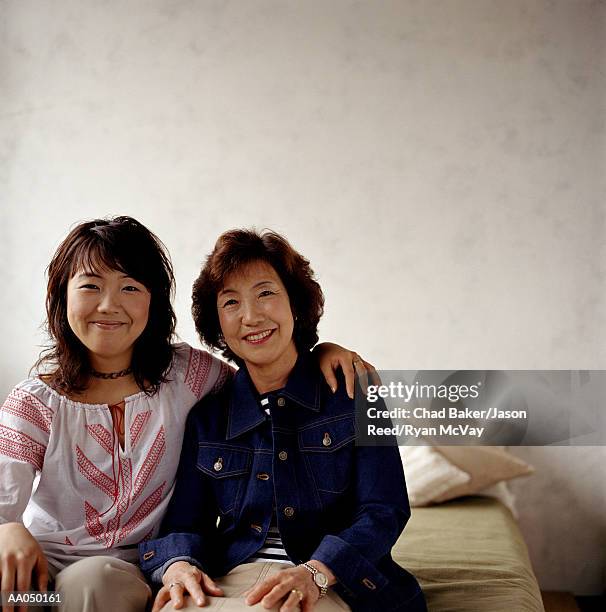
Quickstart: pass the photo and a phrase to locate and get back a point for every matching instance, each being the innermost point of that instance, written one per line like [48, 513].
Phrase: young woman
[272, 492]
[102, 423]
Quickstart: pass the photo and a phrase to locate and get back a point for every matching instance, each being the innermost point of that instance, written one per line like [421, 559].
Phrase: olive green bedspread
[469, 555]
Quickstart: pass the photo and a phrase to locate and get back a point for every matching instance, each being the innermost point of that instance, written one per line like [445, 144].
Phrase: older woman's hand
[294, 586]
[332, 356]
[180, 578]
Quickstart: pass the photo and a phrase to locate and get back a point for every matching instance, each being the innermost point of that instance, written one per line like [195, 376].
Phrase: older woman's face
[255, 316]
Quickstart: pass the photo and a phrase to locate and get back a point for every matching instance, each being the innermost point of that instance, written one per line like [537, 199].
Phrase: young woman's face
[255, 316]
[107, 311]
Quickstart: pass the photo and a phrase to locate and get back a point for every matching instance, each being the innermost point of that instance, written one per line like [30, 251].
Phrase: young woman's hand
[21, 557]
[180, 578]
[332, 356]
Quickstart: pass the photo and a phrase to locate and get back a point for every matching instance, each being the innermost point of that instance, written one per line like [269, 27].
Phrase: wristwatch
[320, 579]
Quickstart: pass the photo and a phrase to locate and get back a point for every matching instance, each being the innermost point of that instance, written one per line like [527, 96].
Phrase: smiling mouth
[259, 337]
[107, 324]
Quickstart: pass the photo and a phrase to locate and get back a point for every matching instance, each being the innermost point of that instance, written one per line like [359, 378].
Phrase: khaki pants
[101, 584]
[243, 578]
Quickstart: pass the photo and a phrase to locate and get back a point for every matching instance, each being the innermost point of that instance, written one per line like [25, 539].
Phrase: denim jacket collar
[303, 388]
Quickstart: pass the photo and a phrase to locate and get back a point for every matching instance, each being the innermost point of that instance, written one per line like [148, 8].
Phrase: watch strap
[310, 568]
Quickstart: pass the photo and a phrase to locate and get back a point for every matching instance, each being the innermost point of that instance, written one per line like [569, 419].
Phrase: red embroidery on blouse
[93, 522]
[113, 525]
[148, 535]
[103, 436]
[92, 473]
[121, 491]
[20, 446]
[150, 464]
[126, 485]
[198, 370]
[137, 427]
[224, 373]
[142, 512]
[107, 534]
[29, 408]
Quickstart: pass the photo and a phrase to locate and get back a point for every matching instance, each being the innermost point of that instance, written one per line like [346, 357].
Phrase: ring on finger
[298, 593]
[176, 583]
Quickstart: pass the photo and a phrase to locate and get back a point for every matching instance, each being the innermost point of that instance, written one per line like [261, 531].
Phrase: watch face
[320, 579]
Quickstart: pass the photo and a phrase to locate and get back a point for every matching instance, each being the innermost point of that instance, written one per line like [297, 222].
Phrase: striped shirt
[272, 550]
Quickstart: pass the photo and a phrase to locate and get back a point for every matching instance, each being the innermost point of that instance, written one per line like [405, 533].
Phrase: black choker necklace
[111, 375]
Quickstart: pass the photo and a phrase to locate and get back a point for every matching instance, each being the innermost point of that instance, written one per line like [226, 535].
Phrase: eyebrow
[264, 282]
[95, 275]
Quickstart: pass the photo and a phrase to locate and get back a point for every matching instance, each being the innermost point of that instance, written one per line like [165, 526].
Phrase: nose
[109, 302]
[251, 313]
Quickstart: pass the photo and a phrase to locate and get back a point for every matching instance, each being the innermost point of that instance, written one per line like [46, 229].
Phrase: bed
[469, 555]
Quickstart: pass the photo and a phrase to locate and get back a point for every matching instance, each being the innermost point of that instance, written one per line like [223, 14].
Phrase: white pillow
[438, 474]
[429, 474]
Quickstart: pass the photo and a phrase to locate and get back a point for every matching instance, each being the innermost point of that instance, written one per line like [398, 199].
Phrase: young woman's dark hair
[123, 244]
[234, 250]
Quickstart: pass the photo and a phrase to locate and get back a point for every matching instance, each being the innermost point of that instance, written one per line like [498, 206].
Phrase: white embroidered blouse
[93, 497]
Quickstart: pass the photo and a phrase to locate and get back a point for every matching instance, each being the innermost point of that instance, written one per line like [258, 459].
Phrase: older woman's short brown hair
[237, 248]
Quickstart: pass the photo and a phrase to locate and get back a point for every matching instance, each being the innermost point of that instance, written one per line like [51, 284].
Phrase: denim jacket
[339, 503]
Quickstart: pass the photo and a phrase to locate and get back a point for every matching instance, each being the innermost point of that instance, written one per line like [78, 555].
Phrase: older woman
[272, 493]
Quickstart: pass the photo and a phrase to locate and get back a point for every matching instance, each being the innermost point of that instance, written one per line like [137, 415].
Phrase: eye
[130, 289]
[228, 303]
[88, 286]
[266, 292]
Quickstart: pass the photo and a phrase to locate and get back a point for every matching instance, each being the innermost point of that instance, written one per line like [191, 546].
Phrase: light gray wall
[440, 162]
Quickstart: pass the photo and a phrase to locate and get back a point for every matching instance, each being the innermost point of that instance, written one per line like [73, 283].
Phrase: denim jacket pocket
[327, 448]
[228, 468]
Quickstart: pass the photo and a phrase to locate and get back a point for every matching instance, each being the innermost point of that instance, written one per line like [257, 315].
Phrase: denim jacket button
[289, 512]
[281, 402]
[257, 528]
[218, 466]
[327, 441]
[283, 455]
[263, 476]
